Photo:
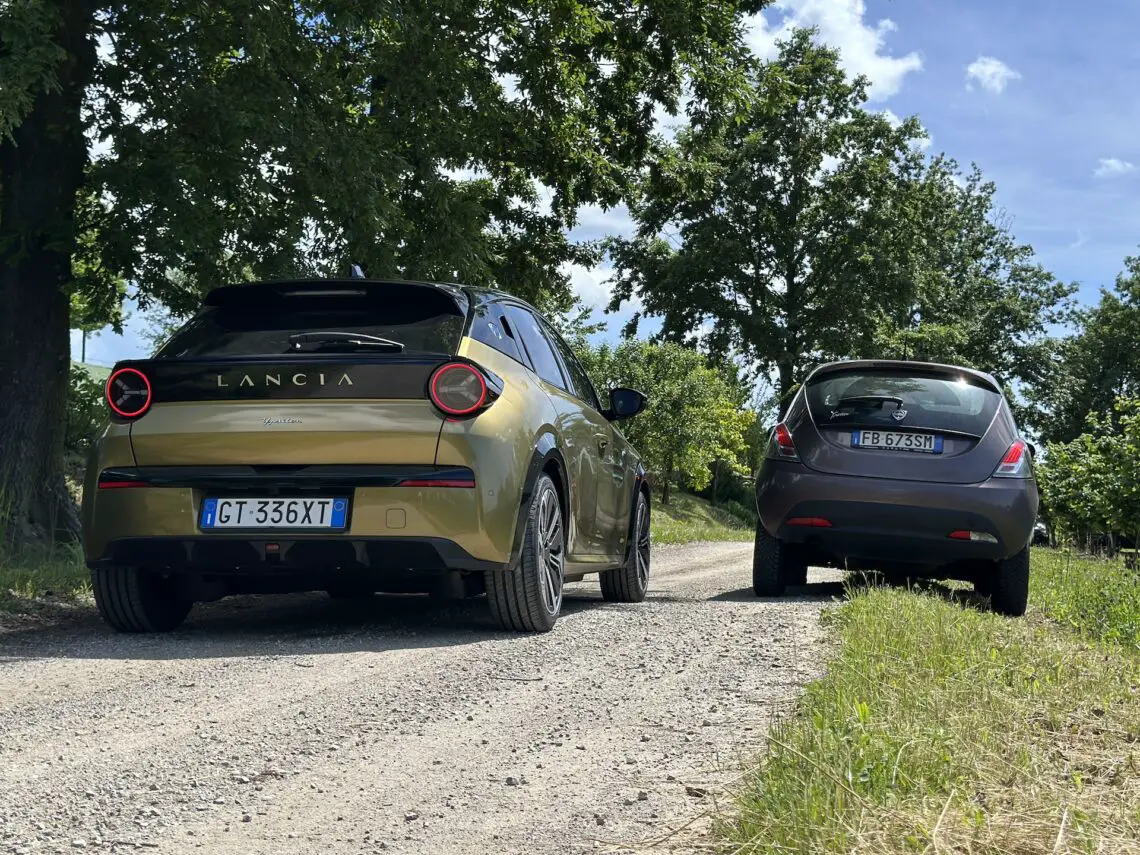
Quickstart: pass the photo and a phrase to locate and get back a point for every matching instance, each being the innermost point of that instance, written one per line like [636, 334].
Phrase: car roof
[845, 365]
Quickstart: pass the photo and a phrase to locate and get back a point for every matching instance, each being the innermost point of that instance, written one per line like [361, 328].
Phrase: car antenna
[355, 272]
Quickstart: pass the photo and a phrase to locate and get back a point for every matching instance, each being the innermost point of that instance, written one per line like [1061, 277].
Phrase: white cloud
[991, 74]
[1109, 167]
[862, 44]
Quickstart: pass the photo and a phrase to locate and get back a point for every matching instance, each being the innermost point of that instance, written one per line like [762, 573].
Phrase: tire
[630, 582]
[774, 565]
[134, 599]
[529, 597]
[1009, 594]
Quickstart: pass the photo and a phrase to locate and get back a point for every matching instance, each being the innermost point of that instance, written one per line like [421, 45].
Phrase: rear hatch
[300, 374]
[907, 422]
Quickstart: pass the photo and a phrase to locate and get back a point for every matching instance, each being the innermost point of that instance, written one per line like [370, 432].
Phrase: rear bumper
[896, 521]
[390, 527]
[288, 555]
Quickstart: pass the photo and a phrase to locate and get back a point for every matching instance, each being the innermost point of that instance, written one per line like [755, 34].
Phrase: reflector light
[975, 536]
[784, 443]
[810, 522]
[437, 482]
[119, 485]
[128, 393]
[458, 389]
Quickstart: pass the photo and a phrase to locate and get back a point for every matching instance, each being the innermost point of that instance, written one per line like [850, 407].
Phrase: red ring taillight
[458, 389]
[128, 393]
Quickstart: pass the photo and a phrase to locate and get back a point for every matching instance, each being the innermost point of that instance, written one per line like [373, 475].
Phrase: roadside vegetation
[940, 727]
[689, 519]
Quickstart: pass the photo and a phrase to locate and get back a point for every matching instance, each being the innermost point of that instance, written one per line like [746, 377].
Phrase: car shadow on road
[814, 592]
[277, 625]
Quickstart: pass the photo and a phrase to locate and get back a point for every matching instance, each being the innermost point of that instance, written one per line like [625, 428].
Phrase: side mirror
[624, 404]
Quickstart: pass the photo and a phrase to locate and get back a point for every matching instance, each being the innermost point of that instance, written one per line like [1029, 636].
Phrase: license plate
[894, 440]
[221, 513]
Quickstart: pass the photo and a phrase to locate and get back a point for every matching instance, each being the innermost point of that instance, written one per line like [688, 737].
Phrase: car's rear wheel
[134, 599]
[529, 598]
[630, 582]
[775, 565]
[1009, 586]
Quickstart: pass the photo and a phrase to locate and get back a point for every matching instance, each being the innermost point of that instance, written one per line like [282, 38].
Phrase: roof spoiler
[261, 294]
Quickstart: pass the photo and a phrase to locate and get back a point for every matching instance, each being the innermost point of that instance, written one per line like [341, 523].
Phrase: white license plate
[326, 513]
[897, 441]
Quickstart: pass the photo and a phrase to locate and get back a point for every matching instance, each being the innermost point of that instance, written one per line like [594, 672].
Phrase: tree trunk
[41, 169]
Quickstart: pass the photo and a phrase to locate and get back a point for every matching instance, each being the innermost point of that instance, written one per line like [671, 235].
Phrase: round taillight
[129, 393]
[458, 389]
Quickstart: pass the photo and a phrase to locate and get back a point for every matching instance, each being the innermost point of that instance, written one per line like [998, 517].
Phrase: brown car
[912, 469]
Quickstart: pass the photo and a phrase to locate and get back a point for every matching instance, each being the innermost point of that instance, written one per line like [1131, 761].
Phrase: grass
[688, 519]
[1096, 599]
[35, 580]
[940, 728]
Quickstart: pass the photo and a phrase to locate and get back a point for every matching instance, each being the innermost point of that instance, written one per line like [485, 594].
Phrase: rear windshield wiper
[343, 341]
[869, 401]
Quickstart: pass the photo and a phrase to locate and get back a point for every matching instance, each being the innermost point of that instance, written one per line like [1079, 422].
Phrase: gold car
[355, 436]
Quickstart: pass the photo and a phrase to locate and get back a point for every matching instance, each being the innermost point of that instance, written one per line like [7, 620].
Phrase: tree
[270, 139]
[693, 416]
[1090, 485]
[783, 227]
[1092, 368]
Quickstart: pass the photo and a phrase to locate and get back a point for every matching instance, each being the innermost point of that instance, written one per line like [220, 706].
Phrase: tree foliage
[978, 297]
[694, 417]
[1090, 485]
[1095, 366]
[810, 228]
[243, 139]
[779, 227]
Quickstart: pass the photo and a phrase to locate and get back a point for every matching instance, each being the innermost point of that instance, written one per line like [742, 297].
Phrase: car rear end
[884, 464]
[287, 438]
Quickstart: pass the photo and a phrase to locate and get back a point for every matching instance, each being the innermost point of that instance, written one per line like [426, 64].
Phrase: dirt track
[306, 725]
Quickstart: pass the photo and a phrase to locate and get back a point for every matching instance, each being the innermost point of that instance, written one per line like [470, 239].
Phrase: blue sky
[1041, 95]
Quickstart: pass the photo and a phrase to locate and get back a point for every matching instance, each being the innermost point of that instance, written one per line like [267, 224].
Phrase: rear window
[904, 400]
[431, 324]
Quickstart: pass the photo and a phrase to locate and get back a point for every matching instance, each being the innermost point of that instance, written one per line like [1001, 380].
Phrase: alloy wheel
[551, 551]
[642, 555]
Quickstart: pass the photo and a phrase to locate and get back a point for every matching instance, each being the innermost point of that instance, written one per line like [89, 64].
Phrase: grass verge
[942, 728]
[688, 519]
[38, 580]
[1096, 599]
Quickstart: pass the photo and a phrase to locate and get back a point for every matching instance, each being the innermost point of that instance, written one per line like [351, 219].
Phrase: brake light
[781, 445]
[128, 393]
[458, 389]
[1016, 462]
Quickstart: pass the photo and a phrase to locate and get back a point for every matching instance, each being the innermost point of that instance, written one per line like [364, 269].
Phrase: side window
[487, 327]
[580, 383]
[541, 355]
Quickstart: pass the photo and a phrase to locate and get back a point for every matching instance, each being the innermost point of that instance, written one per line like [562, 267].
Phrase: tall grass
[689, 519]
[941, 728]
[1095, 598]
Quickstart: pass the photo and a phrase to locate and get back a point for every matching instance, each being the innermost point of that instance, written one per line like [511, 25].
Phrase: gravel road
[304, 725]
